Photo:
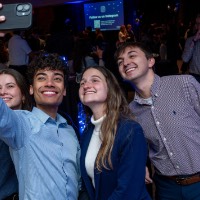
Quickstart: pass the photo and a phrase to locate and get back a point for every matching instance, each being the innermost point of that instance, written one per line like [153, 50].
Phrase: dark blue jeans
[167, 189]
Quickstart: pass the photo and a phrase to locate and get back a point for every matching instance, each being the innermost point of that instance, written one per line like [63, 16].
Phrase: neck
[98, 111]
[51, 111]
[143, 86]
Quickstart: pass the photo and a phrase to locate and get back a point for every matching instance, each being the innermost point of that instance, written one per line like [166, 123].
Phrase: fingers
[2, 18]
[148, 180]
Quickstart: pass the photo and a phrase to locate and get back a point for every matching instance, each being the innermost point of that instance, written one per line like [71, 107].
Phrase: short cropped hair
[147, 51]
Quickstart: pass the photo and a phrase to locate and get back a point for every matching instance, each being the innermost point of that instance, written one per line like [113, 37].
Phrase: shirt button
[171, 154]
[156, 94]
[61, 144]
[152, 107]
[157, 123]
[164, 139]
[177, 166]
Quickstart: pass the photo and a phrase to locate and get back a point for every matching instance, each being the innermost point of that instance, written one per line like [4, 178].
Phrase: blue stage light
[81, 118]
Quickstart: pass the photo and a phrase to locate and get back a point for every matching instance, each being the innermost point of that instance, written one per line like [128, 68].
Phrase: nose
[126, 61]
[87, 84]
[49, 82]
[3, 91]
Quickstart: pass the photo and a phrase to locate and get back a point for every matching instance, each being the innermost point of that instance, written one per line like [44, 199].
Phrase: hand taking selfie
[2, 18]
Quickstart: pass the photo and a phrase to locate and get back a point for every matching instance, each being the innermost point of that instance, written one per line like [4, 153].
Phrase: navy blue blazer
[127, 178]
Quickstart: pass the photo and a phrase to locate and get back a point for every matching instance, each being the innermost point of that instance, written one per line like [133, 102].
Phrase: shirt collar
[44, 117]
[97, 123]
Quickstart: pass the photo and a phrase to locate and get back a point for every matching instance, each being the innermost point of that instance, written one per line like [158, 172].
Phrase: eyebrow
[93, 76]
[44, 74]
[132, 51]
[129, 52]
[10, 83]
[96, 76]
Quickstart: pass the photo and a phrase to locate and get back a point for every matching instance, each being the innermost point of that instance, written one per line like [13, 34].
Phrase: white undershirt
[93, 148]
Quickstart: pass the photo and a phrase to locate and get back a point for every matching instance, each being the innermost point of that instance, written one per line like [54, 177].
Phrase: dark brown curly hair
[50, 61]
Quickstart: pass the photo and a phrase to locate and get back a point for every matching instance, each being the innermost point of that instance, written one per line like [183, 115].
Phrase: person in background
[84, 55]
[131, 35]
[192, 50]
[3, 55]
[113, 147]
[168, 109]
[14, 91]
[20, 53]
[99, 38]
[44, 148]
[122, 35]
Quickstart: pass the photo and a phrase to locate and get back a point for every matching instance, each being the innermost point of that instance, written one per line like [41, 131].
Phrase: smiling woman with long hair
[114, 149]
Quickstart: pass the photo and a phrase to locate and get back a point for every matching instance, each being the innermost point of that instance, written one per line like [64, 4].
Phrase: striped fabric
[45, 151]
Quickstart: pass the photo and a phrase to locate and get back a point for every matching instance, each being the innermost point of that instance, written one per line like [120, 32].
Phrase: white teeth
[131, 69]
[6, 99]
[89, 92]
[49, 92]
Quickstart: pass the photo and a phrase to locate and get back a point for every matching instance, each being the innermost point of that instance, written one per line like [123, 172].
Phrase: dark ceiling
[40, 3]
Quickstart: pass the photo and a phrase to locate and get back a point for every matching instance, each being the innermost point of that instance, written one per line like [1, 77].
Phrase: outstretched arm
[11, 126]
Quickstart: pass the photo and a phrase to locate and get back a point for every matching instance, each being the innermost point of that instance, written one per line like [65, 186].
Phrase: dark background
[47, 12]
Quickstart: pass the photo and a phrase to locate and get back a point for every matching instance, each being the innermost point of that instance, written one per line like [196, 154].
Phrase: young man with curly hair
[44, 147]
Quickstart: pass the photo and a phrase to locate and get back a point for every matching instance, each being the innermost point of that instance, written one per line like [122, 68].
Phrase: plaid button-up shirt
[171, 124]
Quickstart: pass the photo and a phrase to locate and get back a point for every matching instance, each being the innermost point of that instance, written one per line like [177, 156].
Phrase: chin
[87, 103]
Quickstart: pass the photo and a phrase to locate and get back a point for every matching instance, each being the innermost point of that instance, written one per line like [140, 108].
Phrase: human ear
[31, 90]
[65, 91]
[151, 62]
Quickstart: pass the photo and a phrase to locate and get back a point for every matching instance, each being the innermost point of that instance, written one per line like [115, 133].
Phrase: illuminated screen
[108, 15]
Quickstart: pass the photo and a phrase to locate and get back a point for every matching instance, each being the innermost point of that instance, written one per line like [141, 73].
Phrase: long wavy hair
[116, 108]
[23, 86]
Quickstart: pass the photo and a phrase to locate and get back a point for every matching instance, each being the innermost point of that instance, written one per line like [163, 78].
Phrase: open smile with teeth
[49, 92]
[89, 92]
[130, 69]
[6, 99]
